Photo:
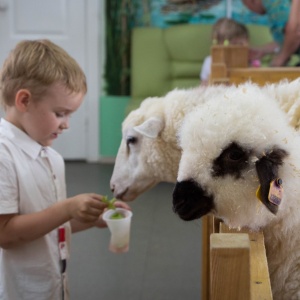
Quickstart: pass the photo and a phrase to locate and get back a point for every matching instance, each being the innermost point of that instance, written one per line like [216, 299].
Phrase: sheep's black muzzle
[190, 201]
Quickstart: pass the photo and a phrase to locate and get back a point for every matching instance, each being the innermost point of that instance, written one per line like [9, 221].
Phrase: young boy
[40, 86]
[224, 30]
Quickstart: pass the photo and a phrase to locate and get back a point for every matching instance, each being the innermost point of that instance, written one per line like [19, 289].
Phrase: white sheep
[231, 146]
[149, 153]
[287, 94]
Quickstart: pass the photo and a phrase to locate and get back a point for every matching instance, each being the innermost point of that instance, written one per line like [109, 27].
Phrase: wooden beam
[262, 76]
[208, 227]
[230, 266]
[259, 275]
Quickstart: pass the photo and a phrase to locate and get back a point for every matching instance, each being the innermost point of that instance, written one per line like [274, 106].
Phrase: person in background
[224, 31]
[284, 22]
[40, 87]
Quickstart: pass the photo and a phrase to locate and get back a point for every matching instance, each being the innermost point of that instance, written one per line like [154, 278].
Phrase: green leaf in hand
[110, 203]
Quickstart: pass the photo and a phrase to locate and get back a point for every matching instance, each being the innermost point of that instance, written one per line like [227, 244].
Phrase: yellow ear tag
[276, 191]
[258, 193]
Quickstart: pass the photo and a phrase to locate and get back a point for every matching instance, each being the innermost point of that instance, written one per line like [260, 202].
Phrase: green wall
[112, 114]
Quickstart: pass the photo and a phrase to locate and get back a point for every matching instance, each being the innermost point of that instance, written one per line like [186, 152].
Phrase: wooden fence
[234, 263]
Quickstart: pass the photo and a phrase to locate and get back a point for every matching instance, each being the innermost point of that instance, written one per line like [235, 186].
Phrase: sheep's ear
[151, 127]
[270, 189]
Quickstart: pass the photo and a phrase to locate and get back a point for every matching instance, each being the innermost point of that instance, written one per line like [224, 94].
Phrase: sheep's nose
[190, 201]
[119, 194]
[112, 187]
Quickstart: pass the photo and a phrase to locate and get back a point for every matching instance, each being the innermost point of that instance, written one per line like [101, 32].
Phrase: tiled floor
[163, 262]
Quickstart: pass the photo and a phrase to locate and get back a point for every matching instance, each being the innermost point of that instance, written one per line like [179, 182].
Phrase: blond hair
[228, 29]
[36, 65]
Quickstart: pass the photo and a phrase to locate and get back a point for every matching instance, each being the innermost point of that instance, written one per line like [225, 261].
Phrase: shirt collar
[20, 139]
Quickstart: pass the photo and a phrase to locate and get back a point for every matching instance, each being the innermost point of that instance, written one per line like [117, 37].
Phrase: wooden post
[233, 56]
[230, 266]
[209, 224]
[206, 231]
[224, 58]
[260, 278]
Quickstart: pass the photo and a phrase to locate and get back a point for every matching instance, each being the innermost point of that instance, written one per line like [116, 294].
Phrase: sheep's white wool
[287, 94]
[148, 153]
[251, 118]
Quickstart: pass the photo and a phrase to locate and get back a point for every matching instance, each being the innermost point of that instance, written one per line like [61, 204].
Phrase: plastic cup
[119, 229]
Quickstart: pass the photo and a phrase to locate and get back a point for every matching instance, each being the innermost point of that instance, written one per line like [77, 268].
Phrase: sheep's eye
[236, 154]
[232, 161]
[131, 140]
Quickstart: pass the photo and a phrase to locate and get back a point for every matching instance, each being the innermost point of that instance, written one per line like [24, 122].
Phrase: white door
[64, 22]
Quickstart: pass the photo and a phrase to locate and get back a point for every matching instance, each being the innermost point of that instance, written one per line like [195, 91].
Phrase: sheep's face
[133, 173]
[233, 145]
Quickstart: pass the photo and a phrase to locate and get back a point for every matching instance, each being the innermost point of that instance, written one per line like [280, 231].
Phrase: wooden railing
[234, 263]
[236, 266]
[230, 65]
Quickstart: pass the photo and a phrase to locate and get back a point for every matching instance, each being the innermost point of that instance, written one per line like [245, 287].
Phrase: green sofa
[163, 59]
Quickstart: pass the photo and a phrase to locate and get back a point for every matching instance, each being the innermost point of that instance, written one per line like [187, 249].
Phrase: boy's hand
[86, 207]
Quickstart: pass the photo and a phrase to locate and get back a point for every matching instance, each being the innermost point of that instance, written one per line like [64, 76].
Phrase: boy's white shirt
[206, 69]
[31, 271]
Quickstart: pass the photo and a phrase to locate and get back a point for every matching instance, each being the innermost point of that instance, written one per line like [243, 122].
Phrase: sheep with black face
[149, 153]
[237, 148]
